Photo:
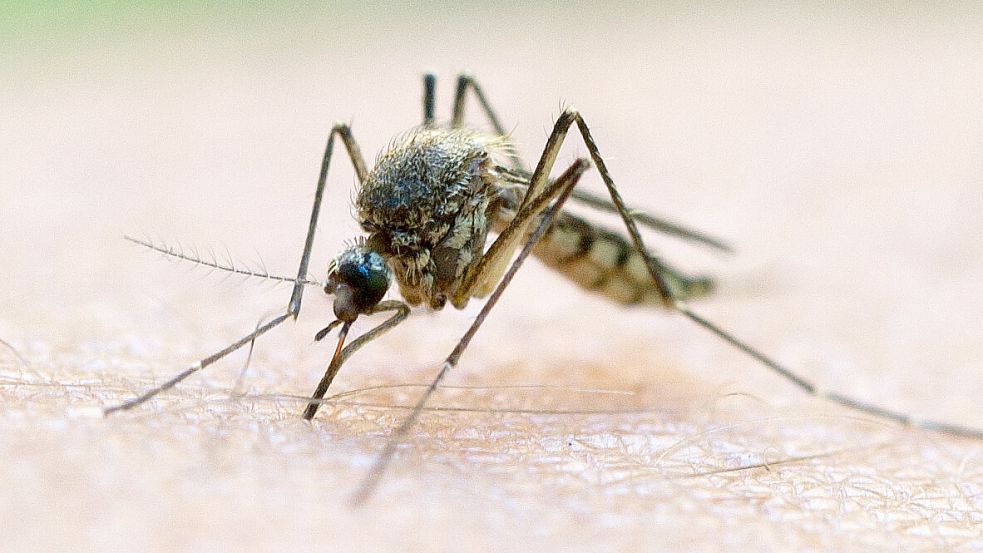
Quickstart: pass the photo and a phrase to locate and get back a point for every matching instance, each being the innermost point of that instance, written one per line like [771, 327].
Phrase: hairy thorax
[427, 206]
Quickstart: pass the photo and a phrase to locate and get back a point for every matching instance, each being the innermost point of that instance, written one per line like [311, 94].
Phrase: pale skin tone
[198, 468]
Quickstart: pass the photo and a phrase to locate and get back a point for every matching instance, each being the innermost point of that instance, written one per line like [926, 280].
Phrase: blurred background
[837, 147]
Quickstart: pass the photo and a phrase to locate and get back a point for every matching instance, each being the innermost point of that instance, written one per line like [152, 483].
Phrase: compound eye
[359, 278]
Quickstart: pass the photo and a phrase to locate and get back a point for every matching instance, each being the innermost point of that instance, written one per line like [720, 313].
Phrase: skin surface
[838, 151]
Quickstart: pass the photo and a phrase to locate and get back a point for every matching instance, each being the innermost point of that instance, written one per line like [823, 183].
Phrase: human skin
[838, 152]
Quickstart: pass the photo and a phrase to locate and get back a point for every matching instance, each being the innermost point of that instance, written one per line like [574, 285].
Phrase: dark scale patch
[570, 223]
[639, 296]
[624, 248]
[624, 254]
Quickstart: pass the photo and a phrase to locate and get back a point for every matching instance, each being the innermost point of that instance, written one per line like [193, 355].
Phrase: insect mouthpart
[358, 277]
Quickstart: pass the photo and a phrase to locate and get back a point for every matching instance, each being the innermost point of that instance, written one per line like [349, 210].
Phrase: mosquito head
[358, 278]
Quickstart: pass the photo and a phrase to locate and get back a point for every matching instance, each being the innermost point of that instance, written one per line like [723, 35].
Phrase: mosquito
[428, 206]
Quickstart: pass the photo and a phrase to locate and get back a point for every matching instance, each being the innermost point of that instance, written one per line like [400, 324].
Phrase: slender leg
[655, 268]
[245, 366]
[429, 97]
[540, 188]
[197, 366]
[659, 224]
[601, 203]
[489, 268]
[565, 184]
[540, 175]
[345, 132]
[293, 308]
[835, 397]
[402, 311]
[465, 81]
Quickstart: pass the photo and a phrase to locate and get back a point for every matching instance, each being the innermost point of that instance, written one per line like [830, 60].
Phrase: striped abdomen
[607, 263]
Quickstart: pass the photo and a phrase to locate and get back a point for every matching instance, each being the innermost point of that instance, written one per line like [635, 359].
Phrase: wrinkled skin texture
[837, 148]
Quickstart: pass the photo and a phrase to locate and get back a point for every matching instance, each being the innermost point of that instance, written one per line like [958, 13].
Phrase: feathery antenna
[228, 267]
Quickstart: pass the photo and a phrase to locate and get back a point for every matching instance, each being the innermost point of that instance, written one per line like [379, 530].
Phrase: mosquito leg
[465, 81]
[197, 366]
[653, 222]
[293, 307]
[236, 388]
[566, 182]
[354, 153]
[539, 190]
[488, 269]
[656, 270]
[402, 311]
[429, 97]
[603, 203]
[835, 397]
